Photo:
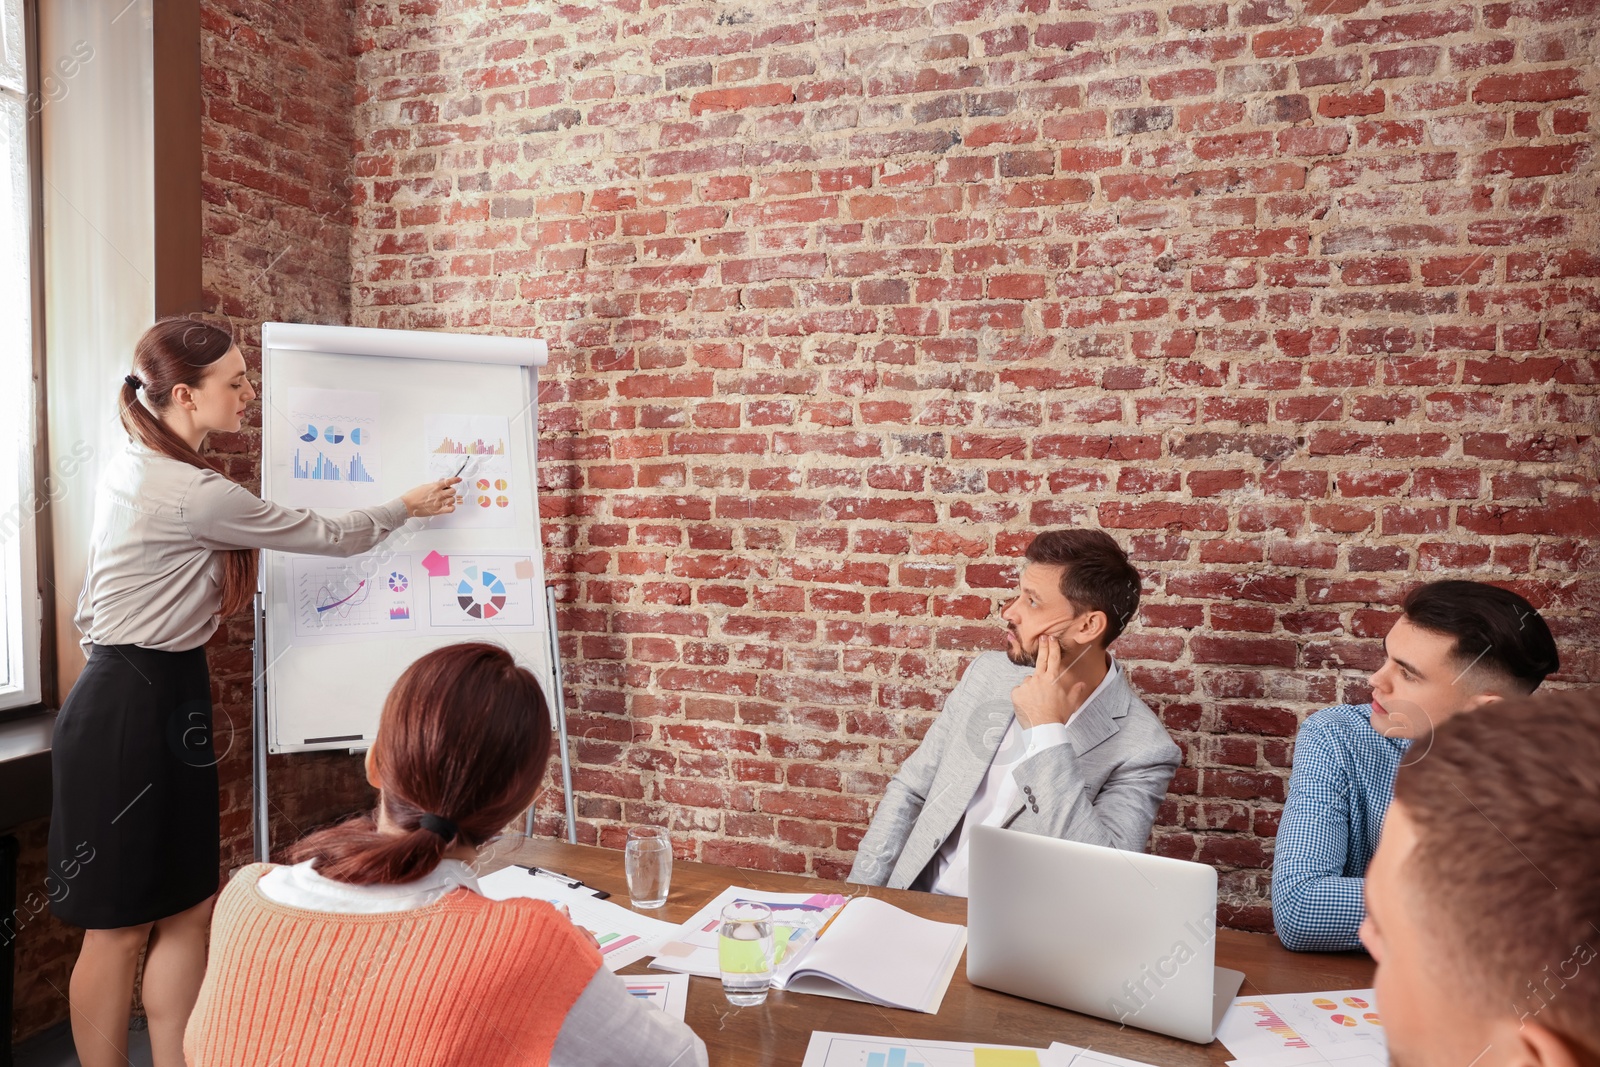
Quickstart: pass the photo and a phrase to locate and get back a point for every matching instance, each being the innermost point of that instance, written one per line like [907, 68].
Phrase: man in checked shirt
[1457, 645]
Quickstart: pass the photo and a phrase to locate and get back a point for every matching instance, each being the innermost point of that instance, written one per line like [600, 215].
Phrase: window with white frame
[20, 604]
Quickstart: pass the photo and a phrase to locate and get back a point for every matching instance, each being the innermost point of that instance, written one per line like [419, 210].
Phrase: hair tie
[440, 825]
[133, 381]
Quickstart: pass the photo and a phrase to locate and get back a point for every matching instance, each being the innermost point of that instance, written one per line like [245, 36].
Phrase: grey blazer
[1103, 787]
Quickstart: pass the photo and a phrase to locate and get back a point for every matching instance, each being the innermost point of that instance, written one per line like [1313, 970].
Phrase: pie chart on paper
[480, 593]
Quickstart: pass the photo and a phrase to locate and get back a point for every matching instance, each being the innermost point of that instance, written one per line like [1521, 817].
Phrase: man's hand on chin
[1045, 696]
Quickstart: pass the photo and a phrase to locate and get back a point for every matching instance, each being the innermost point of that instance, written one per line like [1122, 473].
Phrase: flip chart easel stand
[558, 702]
[412, 375]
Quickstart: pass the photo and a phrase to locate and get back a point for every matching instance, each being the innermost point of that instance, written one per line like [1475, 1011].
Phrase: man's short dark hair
[1495, 630]
[1506, 806]
[1098, 575]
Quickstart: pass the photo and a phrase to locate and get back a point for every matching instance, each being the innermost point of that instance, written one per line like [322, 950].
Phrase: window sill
[25, 769]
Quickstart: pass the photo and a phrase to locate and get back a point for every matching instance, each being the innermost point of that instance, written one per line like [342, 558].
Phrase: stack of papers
[624, 936]
[1337, 1029]
[871, 951]
[859, 1050]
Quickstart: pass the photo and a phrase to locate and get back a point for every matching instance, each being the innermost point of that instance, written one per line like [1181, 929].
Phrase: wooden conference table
[778, 1031]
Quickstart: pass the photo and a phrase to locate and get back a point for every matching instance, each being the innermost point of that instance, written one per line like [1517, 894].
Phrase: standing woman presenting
[134, 813]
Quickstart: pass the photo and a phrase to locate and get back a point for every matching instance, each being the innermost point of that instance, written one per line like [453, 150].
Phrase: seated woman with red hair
[376, 948]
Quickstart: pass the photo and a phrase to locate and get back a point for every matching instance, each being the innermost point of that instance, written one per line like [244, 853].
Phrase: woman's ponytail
[357, 853]
[460, 752]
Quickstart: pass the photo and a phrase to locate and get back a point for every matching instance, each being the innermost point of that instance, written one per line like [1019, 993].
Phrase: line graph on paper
[356, 597]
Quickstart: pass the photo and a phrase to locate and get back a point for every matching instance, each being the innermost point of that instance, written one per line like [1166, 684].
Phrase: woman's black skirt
[134, 822]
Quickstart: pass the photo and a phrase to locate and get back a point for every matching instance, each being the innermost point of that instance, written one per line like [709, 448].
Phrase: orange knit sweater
[464, 980]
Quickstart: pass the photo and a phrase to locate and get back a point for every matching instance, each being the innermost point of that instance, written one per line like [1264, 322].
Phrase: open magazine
[855, 949]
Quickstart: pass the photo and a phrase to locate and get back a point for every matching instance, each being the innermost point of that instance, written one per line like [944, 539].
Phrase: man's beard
[1020, 656]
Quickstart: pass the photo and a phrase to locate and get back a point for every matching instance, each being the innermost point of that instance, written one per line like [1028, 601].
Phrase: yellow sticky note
[1005, 1057]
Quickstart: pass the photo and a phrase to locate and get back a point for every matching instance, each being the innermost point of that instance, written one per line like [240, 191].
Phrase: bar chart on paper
[476, 449]
[894, 1057]
[332, 450]
[854, 1050]
[624, 935]
[669, 992]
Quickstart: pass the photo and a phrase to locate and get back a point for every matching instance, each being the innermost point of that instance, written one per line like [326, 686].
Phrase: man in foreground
[1458, 645]
[1047, 738]
[1483, 901]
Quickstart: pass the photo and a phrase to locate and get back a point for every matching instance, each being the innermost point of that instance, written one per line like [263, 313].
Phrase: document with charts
[859, 1050]
[1341, 1029]
[624, 935]
[669, 992]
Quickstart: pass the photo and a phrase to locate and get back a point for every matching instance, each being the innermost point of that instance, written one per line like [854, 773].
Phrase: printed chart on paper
[333, 450]
[478, 450]
[362, 596]
[481, 592]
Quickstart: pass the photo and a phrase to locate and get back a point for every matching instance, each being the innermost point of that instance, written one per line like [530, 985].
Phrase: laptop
[1119, 935]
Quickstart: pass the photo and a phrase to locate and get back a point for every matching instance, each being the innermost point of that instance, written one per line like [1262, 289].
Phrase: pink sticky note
[436, 565]
[524, 568]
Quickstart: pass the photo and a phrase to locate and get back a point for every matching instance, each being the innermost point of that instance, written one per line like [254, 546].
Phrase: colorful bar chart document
[624, 935]
[669, 992]
[478, 448]
[332, 452]
[858, 1050]
[1341, 1028]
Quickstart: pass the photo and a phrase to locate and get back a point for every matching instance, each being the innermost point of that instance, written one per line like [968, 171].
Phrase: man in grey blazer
[1047, 738]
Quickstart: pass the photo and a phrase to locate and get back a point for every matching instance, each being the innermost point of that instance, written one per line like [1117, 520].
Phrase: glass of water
[744, 951]
[648, 859]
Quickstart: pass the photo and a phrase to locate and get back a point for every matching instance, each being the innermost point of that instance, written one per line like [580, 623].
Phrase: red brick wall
[45, 948]
[279, 82]
[844, 301]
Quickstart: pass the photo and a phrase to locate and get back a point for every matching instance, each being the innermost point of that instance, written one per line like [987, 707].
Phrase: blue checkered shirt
[1339, 789]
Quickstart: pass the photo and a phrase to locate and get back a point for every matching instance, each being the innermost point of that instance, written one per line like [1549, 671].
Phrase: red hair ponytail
[465, 736]
[177, 351]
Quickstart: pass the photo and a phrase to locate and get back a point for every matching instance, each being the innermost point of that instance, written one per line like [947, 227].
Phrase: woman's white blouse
[154, 576]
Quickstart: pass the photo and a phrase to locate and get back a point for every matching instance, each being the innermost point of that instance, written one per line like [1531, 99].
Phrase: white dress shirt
[997, 793]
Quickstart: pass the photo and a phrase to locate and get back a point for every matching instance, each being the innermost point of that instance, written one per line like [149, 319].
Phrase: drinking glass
[744, 952]
[648, 859]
